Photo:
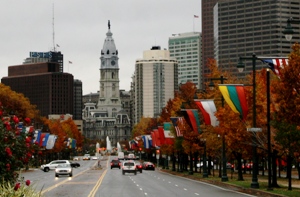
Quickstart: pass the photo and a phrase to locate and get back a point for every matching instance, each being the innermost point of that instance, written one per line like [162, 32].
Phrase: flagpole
[194, 24]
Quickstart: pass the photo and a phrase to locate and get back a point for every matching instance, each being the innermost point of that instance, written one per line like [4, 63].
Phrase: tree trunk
[298, 168]
[238, 157]
[274, 169]
[289, 171]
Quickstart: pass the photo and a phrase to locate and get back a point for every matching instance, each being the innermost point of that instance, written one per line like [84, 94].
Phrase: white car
[53, 164]
[129, 167]
[95, 158]
[200, 165]
[64, 169]
[86, 157]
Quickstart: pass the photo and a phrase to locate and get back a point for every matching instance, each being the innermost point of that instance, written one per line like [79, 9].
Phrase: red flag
[157, 138]
[161, 134]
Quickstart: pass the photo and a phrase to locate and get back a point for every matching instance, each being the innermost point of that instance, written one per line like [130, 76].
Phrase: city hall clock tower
[109, 94]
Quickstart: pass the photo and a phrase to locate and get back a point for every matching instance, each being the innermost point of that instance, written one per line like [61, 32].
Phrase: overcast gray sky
[80, 28]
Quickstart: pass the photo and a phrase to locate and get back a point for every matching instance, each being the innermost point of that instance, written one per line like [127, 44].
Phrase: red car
[115, 163]
[139, 166]
[148, 166]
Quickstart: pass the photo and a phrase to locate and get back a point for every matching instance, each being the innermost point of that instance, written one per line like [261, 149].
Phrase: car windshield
[63, 166]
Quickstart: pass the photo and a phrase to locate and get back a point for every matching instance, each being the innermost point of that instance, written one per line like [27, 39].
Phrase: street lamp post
[224, 177]
[288, 31]
[240, 66]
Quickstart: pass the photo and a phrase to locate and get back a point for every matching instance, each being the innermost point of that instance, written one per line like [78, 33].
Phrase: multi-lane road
[88, 181]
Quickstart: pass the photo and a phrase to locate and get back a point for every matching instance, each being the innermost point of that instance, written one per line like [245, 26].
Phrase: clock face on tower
[113, 62]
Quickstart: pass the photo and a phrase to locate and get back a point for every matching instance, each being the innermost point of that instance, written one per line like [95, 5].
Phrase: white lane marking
[176, 185]
[146, 194]
[196, 194]
[185, 189]
[169, 181]
[141, 188]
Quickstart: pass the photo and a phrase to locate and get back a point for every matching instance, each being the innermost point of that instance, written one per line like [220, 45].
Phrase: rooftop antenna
[53, 33]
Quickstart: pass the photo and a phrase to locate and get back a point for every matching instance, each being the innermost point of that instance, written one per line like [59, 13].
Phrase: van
[121, 155]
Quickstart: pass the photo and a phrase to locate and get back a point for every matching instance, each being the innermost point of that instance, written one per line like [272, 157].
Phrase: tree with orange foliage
[17, 103]
[287, 113]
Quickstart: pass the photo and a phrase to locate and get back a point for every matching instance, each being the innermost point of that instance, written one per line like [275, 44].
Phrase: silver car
[129, 167]
[64, 169]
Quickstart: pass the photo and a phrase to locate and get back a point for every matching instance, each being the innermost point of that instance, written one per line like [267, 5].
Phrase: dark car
[74, 164]
[139, 166]
[115, 163]
[148, 166]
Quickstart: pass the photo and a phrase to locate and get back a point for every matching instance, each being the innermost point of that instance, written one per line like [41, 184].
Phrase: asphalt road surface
[88, 181]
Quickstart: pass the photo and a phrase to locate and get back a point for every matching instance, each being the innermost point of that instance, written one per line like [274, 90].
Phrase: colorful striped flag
[192, 118]
[169, 138]
[177, 121]
[208, 109]
[235, 97]
[276, 64]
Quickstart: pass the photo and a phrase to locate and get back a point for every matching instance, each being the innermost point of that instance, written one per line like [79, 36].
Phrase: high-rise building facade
[77, 100]
[155, 82]
[51, 91]
[106, 117]
[187, 49]
[242, 28]
[51, 56]
[207, 35]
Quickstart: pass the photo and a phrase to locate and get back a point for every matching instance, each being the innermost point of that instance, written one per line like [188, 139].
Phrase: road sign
[254, 129]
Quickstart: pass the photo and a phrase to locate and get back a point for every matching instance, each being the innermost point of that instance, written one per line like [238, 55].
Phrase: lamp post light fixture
[241, 66]
[224, 177]
[288, 31]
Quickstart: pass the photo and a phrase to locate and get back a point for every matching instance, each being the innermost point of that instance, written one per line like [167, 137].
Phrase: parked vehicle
[53, 164]
[74, 164]
[64, 169]
[229, 165]
[148, 166]
[115, 163]
[129, 167]
[131, 156]
[139, 166]
[86, 157]
[200, 165]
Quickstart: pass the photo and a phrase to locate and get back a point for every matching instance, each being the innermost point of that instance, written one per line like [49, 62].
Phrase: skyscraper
[207, 34]
[187, 49]
[246, 27]
[155, 82]
[47, 88]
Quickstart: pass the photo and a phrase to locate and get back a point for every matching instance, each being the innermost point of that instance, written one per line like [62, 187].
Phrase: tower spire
[108, 24]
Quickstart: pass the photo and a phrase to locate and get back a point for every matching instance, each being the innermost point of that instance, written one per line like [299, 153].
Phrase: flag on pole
[169, 138]
[70, 62]
[157, 137]
[57, 45]
[51, 141]
[161, 134]
[208, 109]
[46, 139]
[146, 141]
[235, 97]
[177, 121]
[192, 118]
[276, 64]
[195, 16]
